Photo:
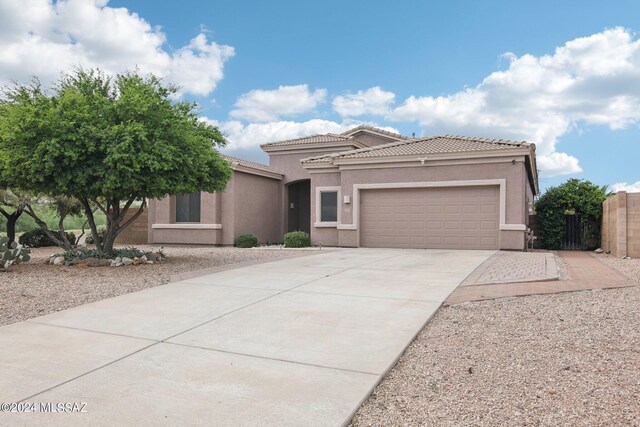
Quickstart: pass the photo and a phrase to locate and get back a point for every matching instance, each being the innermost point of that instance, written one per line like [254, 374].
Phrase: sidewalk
[586, 271]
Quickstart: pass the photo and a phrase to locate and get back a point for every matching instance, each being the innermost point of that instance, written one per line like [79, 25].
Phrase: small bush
[297, 239]
[84, 253]
[101, 232]
[37, 238]
[246, 241]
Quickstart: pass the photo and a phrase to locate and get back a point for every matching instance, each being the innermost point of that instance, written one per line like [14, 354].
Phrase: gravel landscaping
[37, 288]
[566, 359]
[629, 267]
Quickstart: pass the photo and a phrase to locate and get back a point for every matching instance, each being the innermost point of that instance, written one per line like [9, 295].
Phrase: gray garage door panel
[451, 218]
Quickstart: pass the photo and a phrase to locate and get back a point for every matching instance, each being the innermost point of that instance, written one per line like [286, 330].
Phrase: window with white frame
[188, 207]
[327, 206]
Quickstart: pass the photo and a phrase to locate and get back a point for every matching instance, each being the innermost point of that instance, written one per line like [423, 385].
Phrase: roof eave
[254, 171]
[533, 168]
[375, 131]
[314, 146]
[433, 156]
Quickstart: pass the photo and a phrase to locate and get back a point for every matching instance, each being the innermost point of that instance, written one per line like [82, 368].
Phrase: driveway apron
[299, 341]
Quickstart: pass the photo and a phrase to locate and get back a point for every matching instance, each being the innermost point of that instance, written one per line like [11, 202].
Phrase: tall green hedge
[579, 197]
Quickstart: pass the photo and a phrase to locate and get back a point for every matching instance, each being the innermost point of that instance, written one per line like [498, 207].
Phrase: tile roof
[249, 164]
[374, 129]
[332, 137]
[432, 145]
[313, 139]
[325, 158]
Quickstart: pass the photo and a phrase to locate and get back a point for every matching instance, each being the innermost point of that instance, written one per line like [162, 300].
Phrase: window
[329, 206]
[188, 207]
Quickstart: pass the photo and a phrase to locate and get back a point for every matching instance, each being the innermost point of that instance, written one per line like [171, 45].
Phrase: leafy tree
[108, 143]
[579, 197]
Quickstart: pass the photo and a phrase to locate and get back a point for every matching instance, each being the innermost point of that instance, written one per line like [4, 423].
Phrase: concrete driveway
[300, 341]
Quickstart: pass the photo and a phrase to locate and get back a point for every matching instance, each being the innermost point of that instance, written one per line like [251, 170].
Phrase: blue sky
[565, 75]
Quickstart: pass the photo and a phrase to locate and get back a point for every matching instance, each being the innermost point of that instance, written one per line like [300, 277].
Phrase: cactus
[10, 254]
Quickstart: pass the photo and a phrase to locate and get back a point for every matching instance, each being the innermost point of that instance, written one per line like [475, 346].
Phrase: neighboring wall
[621, 225]
[137, 232]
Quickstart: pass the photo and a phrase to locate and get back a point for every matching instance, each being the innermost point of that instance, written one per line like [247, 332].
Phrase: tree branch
[97, 203]
[125, 209]
[43, 225]
[133, 217]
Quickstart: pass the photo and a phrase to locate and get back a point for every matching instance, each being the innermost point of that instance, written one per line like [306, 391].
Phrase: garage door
[451, 218]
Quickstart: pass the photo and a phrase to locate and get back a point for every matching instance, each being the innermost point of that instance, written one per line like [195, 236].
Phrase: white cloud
[371, 101]
[241, 136]
[249, 136]
[589, 80]
[623, 186]
[269, 105]
[558, 164]
[41, 38]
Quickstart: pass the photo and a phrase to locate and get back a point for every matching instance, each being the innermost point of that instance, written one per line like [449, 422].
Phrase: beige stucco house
[366, 187]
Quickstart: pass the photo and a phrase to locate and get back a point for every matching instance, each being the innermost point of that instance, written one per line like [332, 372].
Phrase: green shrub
[246, 240]
[37, 238]
[297, 239]
[101, 232]
[84, 253]
[129, 252]
[574, 197]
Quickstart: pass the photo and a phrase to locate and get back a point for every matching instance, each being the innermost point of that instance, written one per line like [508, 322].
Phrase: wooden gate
[580, 235]
[573, 233]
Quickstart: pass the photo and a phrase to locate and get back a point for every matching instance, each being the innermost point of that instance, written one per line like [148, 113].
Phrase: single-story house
[366, 187]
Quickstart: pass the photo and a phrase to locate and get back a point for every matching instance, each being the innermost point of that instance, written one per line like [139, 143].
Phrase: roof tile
[433, 145]
[374, 129]
[314, 139]
[250, 164]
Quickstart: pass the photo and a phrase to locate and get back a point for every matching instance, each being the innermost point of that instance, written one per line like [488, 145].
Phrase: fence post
[621, 223]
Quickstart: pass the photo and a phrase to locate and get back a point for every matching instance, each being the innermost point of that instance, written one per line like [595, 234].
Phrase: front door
[299, 206]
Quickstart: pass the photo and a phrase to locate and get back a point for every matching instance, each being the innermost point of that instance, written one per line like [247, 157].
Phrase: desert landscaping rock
[566, 359]
[37, 287]
[97, 262]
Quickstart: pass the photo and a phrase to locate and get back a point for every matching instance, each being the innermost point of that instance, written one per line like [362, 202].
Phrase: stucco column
[621, 223]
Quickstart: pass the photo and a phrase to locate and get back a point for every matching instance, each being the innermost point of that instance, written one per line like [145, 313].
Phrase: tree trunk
[109, 240]
[12, 218]
[11, 226]
[117, 225]
[115, 215]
